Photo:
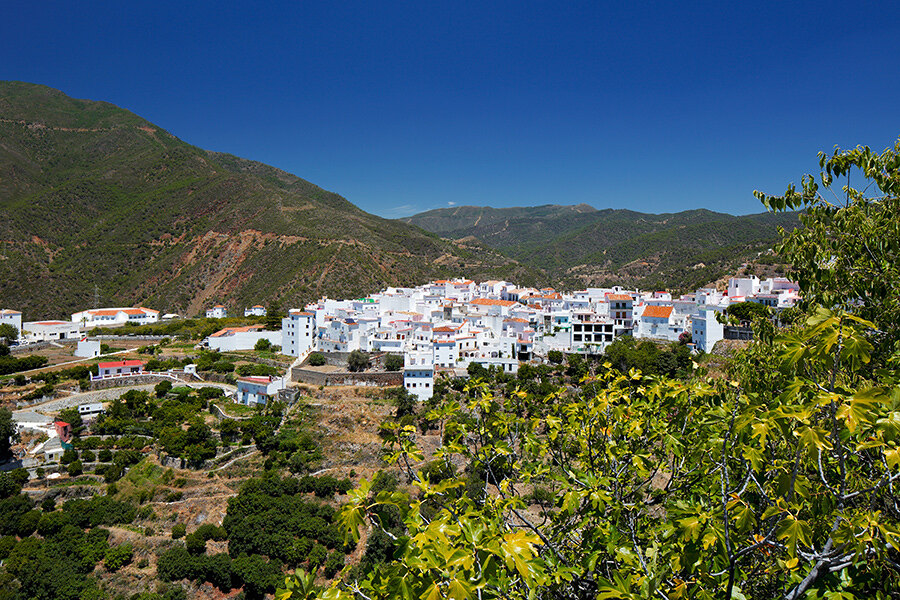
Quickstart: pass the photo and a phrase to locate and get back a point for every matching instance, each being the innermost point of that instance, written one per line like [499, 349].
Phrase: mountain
[580, 245]
[95, 197]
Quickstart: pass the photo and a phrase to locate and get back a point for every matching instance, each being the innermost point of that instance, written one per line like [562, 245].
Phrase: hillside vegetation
[580, 245]
[93, 195]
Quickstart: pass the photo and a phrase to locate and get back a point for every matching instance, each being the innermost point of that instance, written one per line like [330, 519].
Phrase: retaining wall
[381, 379]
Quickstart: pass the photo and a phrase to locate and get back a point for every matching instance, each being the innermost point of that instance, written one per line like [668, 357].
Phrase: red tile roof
[257, 380]
[492, 302]
[233, 330]
[619, 297]
[120, 363]
[658, 312]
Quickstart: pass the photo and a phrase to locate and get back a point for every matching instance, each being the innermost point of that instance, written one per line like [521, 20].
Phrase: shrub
[316, 359]
[162, 388]
[334, 563]
[263, 345]
[118, 556]
[69, 456]
[195, 543]
[75, 468]
[178, 531]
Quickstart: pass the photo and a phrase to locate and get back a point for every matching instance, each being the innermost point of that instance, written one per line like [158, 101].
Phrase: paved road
[108, 395]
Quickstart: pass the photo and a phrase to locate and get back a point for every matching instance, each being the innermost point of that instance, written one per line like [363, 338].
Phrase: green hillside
[93, 195]
[580, 245]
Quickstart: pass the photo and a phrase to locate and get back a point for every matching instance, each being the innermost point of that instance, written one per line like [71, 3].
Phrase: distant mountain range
[580, 245]
[94, 197]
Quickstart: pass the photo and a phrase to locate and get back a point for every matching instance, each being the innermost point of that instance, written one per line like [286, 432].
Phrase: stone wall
[377, 378]
[114, 382]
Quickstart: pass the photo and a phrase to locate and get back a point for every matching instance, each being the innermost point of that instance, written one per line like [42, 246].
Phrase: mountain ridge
[579, 245]
[94, 195]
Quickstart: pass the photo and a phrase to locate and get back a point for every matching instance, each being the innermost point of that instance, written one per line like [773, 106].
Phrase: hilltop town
[444, 326]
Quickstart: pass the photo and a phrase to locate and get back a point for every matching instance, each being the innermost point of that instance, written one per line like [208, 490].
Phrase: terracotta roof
[515, 320]
[259, 380]
[104, 312]
[619, 297]
[233, 330]
[658, 312]
[445, 329]
[8, 311]
[492, 302]
[120, 363]
[134, 311]
[258, 306]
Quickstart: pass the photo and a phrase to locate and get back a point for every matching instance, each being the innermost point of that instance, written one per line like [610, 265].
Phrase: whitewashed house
[119, 368]
[255, 311]
[45, 331]
[11, 317]
[87, 348]
[258, 390]
[298, 332]
[114, 317]
[706, 330]
[418, 374]
[241, 338]
[216, 312]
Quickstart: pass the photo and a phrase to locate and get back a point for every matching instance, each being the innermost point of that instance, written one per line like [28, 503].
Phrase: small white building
[87, 348]
[418, 374]
[90, 410]
[216, 312]
[45, 331]
[255, 311]
[706, 330]
[660, 322]
[743, 286]
[258, 390]
[11, 317]
[119, 368]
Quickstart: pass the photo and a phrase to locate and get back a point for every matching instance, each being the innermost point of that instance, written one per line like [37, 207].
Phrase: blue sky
[406, 106]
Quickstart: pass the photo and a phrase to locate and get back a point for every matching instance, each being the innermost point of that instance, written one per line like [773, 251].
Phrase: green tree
[845, 254]
[748, 311]
[263, 345]
[779, 481]
[316, 359]
[8, 433]
[9, 332]
[393, 362]
[358, 361]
